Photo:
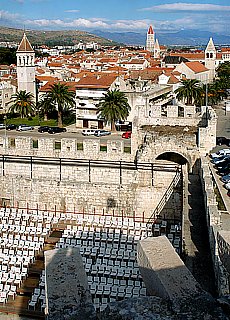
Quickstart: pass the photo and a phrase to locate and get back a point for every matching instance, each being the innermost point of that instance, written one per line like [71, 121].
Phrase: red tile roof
[70, 84]
[196, 66]
[150, 31]
[94, 81]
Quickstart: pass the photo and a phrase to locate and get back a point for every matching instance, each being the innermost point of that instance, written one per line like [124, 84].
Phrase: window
[57, 145]
[80, 146]
[35, 143]
[127, 149]
[103, 148]
[12, 142]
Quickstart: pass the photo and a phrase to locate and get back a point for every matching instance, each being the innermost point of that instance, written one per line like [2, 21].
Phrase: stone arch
[174, 157]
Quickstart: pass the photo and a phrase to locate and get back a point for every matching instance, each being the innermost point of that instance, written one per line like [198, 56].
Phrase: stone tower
[210, 58]
[150, 40]
[25, 67]
[157, 49]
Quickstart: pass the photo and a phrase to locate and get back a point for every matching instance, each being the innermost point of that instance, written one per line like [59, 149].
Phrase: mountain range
[71, 37]
[182, 37]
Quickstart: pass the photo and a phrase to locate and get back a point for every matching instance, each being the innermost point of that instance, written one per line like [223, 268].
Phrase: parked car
[225, 178]
[221, 159]
[220, 153]
[11, 127]
[99, 133]
[224, 170]
[88, 132]
[222, 164]
[2, 126]
[56, 130]
[24, 127]
[127, 135]
[228, 193]
[222, 140]
[43, 129]
[227, 186]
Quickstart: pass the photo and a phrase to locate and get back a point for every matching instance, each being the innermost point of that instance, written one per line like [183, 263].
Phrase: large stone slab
[67, 292]
[163, 272]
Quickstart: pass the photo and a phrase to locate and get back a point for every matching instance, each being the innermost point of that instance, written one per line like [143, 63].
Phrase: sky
[117, 15]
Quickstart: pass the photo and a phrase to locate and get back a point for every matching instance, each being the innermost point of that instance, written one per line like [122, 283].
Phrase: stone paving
[198, 259]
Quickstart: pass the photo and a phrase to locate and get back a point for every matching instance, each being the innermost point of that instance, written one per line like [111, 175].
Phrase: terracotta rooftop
[94, 81]
[25, 46]
[150, 31]
[196, 66]
[70, 84]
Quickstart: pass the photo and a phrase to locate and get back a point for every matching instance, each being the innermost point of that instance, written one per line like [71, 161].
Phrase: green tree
[23, 103]
[45, 107]
[190, 91]
[113, 106]
[223, 75]
[60, 97]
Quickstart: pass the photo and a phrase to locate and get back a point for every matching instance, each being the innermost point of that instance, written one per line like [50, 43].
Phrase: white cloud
[77, 23]
[179, 6]
[7, 16]
[72, 11]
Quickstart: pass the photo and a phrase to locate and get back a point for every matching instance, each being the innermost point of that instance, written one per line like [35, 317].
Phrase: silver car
[24, 127]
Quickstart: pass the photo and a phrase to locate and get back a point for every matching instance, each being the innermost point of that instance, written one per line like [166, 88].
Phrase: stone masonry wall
[65, 148]
[213, 223]
[139, 191]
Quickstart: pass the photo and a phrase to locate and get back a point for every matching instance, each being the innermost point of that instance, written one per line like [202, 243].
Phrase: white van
[88, 132]
[222, 152]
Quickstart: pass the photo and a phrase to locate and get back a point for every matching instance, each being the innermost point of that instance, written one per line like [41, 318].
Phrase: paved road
[223, 123]
[71, 133]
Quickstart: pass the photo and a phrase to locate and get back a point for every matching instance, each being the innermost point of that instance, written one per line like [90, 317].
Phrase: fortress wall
[67, 148]
[139, 191]
[214, 226]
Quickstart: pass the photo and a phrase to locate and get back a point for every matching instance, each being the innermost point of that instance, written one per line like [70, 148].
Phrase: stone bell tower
[25, 67]
[150, 40]
[210, 58]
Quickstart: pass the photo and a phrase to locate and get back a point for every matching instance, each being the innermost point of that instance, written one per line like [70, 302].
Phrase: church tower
[25, 67]
[150, 40]
[210, 58]
[157, 49]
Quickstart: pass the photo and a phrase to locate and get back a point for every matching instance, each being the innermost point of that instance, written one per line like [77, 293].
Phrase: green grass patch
[32, 121]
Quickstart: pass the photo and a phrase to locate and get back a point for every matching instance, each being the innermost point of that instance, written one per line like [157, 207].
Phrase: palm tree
[113, 106]
[23, 103]
[44, 107]
[190, 91]
[59, 96]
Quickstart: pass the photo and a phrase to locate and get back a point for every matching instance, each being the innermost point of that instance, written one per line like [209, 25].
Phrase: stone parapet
[213, 218]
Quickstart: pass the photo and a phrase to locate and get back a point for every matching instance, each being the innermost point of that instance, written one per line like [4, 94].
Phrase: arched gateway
[173, 156]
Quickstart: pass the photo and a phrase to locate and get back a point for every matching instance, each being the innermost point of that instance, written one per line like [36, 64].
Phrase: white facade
[6, 92]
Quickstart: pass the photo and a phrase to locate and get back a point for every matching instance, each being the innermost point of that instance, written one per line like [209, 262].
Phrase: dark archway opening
[172, 156]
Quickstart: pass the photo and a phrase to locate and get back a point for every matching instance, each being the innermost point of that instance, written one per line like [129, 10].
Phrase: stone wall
[213, 218]
[65, 148]
[140, 190]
